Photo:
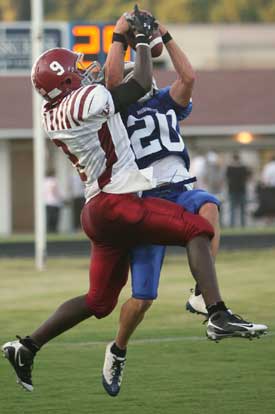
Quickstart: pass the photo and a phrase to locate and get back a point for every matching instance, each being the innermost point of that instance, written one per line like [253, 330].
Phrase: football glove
[141, 23]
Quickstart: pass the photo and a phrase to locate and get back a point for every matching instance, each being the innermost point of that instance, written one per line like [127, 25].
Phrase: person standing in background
[237, 175]
[266, 193]
[268, 173]
[53, 201]
[198, 170]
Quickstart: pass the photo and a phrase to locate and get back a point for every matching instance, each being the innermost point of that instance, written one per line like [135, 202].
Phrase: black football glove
[142, 23]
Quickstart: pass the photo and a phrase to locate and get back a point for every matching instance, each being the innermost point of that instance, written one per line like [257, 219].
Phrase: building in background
[233, 103]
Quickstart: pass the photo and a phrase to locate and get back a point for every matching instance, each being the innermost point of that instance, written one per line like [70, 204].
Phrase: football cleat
[224, 324]
[196, 304]
[112, 371]
[21, 359]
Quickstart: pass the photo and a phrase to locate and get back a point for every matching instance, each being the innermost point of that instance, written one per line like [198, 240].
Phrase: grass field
[171, 367]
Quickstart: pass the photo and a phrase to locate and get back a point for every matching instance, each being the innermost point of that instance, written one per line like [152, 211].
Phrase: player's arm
[181, 89]
[114, 65]
[127, 93]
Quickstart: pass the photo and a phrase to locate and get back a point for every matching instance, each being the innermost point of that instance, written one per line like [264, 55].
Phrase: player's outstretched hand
[141, 22]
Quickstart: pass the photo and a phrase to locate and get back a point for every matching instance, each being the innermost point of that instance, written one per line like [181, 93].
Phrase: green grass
[171, 367]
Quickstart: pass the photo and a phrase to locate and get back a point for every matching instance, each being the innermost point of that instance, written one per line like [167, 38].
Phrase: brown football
[156, 43]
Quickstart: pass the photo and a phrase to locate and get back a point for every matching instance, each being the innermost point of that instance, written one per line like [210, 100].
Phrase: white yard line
[145, 341]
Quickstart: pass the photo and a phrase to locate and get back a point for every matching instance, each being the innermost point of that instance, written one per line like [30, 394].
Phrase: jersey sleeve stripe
[65, 115]
[59, 116]
[68, 107]
[73, 104]
[62, 114]
[84, 100]
[108, 147]
[45, 121]
[51, 120]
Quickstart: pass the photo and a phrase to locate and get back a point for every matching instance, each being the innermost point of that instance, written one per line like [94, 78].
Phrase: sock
[197, 290]
[216, 307]
[29, 343]
[117, 351]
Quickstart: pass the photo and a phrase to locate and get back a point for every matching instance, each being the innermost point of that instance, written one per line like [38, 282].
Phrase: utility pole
[38, 141]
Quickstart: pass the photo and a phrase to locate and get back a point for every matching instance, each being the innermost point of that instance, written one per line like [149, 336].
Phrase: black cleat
[21, 359]
[112, 371]
[224, 324]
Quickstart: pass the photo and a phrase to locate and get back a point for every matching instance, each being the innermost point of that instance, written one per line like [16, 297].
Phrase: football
[156, 43]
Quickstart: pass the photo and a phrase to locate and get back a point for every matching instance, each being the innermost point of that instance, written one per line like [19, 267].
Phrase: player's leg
[131, 315]
[131, 221]
[209, 211]
[21, 352]
[108, 274]
[128, 224]
[146, 263]
[206, 205]
[221, 323]
[110, 265]
[128, 220]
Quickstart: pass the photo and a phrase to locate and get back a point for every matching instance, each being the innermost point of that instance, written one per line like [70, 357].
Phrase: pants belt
[169, 187]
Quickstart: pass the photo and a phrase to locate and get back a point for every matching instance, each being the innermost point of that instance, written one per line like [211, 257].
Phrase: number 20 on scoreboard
[93, 40]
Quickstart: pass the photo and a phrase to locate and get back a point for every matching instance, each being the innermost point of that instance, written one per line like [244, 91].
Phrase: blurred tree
[184, 10]
[233, 11]
[98, 10]
[267, 13]
[180, 11]
[15, 10]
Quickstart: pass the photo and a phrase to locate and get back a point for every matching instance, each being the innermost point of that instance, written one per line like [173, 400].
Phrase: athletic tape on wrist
[166, 37]
[141, 39]
[118, 37]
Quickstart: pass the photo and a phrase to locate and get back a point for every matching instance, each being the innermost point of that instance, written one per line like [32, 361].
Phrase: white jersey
[171, 169]
[84, 125]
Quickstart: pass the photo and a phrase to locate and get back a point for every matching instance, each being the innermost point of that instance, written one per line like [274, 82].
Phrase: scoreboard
[91, 39]
[94, 40]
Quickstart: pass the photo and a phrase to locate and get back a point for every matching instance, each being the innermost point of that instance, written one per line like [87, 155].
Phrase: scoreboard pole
[38, 142]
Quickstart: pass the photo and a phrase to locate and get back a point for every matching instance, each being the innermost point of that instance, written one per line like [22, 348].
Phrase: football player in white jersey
[82, 118]
[153, 129]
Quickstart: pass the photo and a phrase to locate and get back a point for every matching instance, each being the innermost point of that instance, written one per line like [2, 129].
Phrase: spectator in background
[53, 200]
[266, 193]
[78, 200]
[198, 170]
[268, 173]
[237, 175]
[215, 178]
[214, 173]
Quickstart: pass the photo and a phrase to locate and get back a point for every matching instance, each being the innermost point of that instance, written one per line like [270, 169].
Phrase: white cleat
[112, 371]
[196, 304]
